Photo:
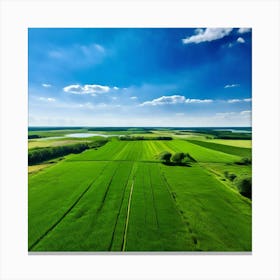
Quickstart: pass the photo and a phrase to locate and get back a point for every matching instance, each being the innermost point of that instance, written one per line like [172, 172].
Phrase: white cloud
[245, 113]
[179, 114]
[226, 114]
[173, 99]
[86, 89]
[188, 100]
[239, 100]
[91, 49]
[232, 86]
[46, 85]
[207, 35]
[243, 117]
[99, 47]
[240, 40]
[243, 30]
[247, 99]
[133, 97]
[47, 99]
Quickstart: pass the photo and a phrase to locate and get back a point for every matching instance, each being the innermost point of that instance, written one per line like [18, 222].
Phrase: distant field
[233, 150]
[36, 168]
[120, 197]
[237, 143]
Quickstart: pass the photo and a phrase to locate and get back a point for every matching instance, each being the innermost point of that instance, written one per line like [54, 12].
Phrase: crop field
[121, 197]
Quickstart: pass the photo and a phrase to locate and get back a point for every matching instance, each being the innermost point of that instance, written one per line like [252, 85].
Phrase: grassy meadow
[121, 195]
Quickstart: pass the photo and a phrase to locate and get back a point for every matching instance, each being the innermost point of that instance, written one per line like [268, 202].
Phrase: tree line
[137, 138]
[42, 154]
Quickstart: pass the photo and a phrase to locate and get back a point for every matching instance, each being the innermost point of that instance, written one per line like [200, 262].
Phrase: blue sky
[139, 76]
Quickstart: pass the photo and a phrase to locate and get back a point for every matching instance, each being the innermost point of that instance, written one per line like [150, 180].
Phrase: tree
[165, 156]
[178, 157]
[245, 187]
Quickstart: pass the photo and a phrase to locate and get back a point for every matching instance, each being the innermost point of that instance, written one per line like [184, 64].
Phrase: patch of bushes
[244, 186]
[34, 136]
[177, 158]
[230, 176]
[244, 161]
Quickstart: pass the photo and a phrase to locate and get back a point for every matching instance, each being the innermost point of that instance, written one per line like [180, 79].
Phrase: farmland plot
[121, 198]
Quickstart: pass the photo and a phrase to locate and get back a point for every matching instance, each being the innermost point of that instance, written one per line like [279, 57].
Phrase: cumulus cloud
[243, 30]
[232, 86]
[207, 35]
[173, 99]
[239, 100]
[46, 85]
[86, 89]
[47, 99]
[240, 40]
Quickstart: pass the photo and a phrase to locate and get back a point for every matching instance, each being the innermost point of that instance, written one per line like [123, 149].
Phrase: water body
[85, 135]
[74, 135]
[235, 130]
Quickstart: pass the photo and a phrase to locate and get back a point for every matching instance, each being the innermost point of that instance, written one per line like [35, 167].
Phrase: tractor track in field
[127, 217]
[67, 212]
[153, 198]
[121, 204]
[180, 212]
[106, 192]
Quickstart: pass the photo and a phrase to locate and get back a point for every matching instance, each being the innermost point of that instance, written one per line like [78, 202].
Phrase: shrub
[165, 156]
[244, 161]
[178, 157]
[244, 186]
[230, 176]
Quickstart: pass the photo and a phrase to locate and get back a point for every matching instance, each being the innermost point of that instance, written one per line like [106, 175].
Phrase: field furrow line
[153, 198]
[67, 212]
[127, 217]
[106, 192]
[179, 211]
[121, 204]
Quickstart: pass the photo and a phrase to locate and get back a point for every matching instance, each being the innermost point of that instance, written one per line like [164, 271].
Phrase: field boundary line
[67, 212]
[127, 217]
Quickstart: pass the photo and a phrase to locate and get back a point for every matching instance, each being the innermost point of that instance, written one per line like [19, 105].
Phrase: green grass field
[120, 197]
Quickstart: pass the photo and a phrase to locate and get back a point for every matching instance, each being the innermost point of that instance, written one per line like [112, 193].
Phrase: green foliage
[245, 187]
[230, 176]
[165, 156]
[244, 161]
[34, 136]
[39, 155]
[178, 157]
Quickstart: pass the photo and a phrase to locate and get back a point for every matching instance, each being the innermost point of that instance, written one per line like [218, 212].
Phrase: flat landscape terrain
[120, 195]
